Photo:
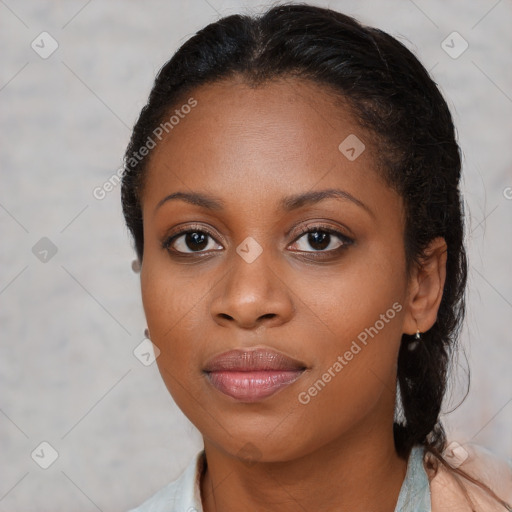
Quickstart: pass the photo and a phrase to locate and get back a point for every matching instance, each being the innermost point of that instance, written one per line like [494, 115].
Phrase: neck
[356, 473]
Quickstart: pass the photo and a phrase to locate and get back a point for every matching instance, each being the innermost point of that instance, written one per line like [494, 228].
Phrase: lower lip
[252, 386]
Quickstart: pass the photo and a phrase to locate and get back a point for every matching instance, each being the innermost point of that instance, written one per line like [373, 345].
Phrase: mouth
[252, 375]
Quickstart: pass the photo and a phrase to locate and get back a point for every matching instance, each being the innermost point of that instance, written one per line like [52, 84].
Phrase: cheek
[169, 298]
[347, 301]
[176, 308]
[358, 313]
[169, 306]
[355, 371]
[174, 313]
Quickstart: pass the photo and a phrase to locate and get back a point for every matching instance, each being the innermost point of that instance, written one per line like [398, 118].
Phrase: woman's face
[319, 279]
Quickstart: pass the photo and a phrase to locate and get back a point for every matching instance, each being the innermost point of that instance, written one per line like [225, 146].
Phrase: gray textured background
[69, 325]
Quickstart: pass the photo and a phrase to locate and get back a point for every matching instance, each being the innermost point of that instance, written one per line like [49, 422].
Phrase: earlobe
[426, 287]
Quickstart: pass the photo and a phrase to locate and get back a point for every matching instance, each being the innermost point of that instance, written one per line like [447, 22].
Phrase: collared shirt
[184, 494]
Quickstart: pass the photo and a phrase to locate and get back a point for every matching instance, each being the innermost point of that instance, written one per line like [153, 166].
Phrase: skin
[250, 148]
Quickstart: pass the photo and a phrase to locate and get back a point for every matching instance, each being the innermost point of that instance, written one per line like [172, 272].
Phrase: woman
[292, 190]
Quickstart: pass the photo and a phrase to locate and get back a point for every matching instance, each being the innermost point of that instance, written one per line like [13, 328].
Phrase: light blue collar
[415, 492]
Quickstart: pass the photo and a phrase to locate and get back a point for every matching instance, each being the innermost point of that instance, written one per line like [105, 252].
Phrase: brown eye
[191, 241]
[321, 240]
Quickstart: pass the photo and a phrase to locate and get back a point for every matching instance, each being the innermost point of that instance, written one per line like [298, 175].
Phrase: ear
[426, 285]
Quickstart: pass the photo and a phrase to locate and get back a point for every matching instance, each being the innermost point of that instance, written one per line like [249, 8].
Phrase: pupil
[196, 241]
[319, 239]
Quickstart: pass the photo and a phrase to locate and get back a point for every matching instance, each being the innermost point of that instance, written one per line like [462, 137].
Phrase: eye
[321, 239]
[190, 241]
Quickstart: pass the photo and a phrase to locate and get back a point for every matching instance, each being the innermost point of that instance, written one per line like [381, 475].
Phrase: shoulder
[449, 491]
[181, 495]
[161, 501]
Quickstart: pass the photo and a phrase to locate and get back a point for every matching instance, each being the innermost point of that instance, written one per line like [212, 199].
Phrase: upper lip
[259, 359]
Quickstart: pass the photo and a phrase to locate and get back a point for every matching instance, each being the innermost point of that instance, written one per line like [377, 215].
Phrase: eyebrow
[297, 201]
[203, 200]
[288, 203]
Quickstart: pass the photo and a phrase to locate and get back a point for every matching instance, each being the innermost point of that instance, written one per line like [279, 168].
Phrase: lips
[252, 375]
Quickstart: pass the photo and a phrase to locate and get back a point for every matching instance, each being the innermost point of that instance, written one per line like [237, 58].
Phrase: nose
[252, 294]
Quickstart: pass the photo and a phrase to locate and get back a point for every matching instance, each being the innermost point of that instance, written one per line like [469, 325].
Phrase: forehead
[285, 135]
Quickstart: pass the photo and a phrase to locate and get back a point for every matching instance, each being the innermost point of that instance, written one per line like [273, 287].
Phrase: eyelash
[345, 241]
